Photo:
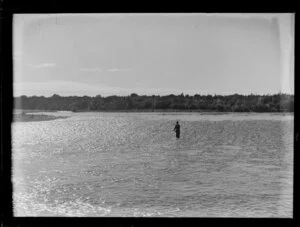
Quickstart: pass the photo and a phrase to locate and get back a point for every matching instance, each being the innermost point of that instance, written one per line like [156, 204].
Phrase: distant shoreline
[169, 103]
[177, 111]
[32, 110]
[26, 111]
[26, 117]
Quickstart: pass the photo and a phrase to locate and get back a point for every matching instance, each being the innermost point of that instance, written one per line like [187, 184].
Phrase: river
[132, 165]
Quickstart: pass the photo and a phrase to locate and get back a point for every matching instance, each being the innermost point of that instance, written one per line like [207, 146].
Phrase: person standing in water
[177, 129]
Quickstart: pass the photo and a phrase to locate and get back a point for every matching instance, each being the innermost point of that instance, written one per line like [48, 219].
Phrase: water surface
[131, 164]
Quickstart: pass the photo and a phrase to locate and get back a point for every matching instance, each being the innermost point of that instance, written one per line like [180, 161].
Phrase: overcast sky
[120, 54]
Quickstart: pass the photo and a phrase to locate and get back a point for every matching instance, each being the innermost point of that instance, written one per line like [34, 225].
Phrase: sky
[120, 54]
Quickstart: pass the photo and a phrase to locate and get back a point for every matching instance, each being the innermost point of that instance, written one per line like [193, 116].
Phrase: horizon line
[161, 95]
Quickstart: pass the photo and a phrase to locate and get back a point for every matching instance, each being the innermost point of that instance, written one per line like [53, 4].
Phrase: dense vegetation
[230, 103]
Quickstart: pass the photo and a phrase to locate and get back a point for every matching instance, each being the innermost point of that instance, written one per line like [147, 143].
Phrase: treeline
[230, 103]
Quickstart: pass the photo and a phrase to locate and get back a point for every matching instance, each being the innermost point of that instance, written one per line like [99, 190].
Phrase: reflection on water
[131, 164]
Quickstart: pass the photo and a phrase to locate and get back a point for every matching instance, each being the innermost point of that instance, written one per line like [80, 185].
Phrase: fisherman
[177, 129]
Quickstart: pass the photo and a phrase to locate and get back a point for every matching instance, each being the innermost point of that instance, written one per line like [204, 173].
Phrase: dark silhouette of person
[177, 129]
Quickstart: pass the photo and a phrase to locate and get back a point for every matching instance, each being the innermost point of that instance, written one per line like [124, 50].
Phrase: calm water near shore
[131, 164]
